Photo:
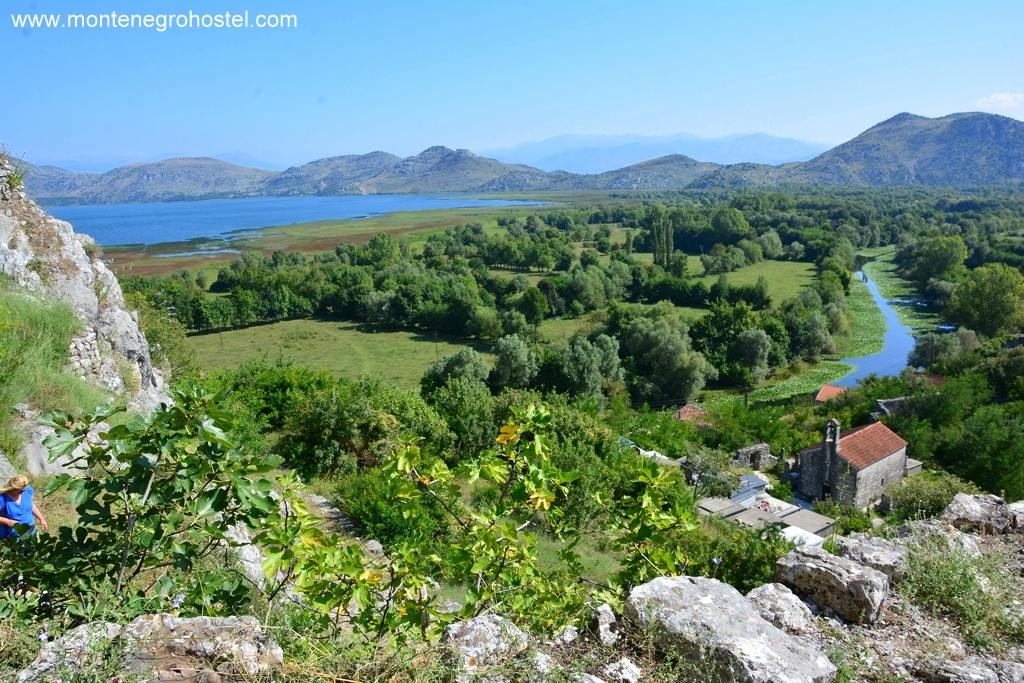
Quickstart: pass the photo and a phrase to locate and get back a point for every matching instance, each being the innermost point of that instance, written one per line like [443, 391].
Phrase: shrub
[744, 558]
[848, 519]
[357, 423]
[370, 500]
[926, 495]
[973, 591]
[158, 492]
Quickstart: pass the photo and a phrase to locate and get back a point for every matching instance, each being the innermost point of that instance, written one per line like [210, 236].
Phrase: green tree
[534, 305]
[729, 225]
[939, 258]
[750, 354]
[156, 492]
[515, 366]
[990, 300]
[661, 363]
[465, 363]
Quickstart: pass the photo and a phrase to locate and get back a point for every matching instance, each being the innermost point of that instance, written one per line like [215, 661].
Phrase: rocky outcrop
[933, 531]
[781, 607]
[885, 556]
[199, 649]
[624, 670]
[983, 514]
[852, 591]
[603, 625]
[483, 642]
[971, 670]
[44, 255]
[711, 622]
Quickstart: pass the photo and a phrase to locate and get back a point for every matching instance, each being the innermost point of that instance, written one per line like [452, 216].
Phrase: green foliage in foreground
[157, 493]
[34, 338]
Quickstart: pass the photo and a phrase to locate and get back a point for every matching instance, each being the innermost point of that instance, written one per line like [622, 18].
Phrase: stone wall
[874, 479]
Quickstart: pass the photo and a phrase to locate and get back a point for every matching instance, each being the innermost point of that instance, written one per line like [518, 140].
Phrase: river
[896, 345]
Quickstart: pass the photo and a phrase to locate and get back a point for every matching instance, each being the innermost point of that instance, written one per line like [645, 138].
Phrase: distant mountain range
[958, 150]
[599, 153]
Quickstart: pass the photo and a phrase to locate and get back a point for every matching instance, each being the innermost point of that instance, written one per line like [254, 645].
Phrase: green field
[342, 348]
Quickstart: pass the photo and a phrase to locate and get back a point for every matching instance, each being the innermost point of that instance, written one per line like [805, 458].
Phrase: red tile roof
[692, 413]
[863, 446]
[829, 392]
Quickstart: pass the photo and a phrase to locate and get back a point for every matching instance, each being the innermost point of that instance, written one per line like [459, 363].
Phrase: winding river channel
[896, 345]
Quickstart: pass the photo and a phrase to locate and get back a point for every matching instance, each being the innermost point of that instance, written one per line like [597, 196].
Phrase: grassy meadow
[344, 349]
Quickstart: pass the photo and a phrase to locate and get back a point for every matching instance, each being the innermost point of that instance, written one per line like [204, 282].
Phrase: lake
[153, 223]
[896, 345]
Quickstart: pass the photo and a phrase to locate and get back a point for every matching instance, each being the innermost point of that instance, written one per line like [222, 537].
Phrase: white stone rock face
[484, 641]
[604, 626]
[167, 647]
[928, 531]
[711, 622]
[981, 513]
[853, 591]
[781, 607]
[622, 671]
[44, 256]
[885, 556]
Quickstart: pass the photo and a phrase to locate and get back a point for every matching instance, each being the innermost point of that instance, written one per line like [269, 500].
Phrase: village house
[853, 468]
[827, 393]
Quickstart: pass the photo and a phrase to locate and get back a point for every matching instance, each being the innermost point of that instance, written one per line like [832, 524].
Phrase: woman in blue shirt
[17, 507]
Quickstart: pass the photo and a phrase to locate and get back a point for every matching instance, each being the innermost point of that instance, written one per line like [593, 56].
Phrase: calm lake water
[896, 345]
[153, 223]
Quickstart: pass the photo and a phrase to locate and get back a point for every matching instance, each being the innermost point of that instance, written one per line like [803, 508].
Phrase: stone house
[852, 468]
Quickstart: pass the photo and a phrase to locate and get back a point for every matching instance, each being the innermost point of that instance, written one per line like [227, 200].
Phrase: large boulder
[885, 556]
[981, 513]
[193, 650]
[781, 607]
[971, 670]
[928, 532]
[484, 641]
[852, 591]
[710, 621]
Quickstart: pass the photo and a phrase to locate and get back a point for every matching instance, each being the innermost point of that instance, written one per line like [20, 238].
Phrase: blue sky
[400, 76]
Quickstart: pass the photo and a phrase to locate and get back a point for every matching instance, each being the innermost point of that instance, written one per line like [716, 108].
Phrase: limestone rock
[926, 531]
[45, 256]
[781, 607]
[604, 626]
[885, 556]
[710, 621]
[971, 670]
[854, 592]
[484, 641]
[72, 651]
[622, 671]
[171, 648]
[6, 468]
[981, 513]
[567, 636]
[1007, 672]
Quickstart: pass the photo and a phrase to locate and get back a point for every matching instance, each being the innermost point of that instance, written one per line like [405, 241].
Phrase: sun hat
[15, 483]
